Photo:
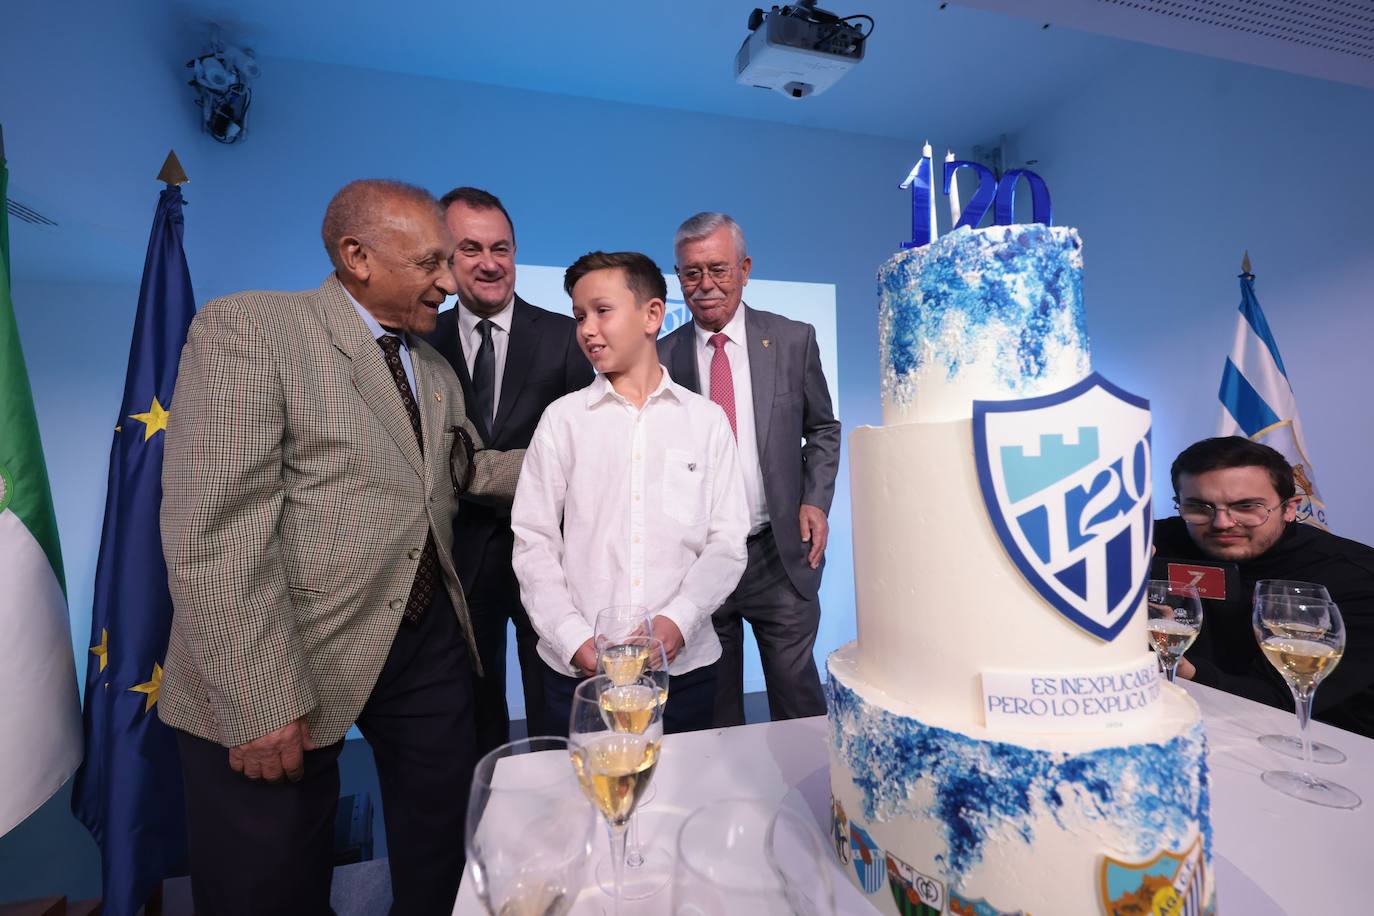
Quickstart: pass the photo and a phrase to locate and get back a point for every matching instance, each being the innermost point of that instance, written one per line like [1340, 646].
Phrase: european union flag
[128, 790]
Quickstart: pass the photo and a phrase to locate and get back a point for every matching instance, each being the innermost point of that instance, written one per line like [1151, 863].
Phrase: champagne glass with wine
[1175, 618]
[1304, 639]
[618, 622]
[529, 829]
[1289, 745]
[615, 766]
[635, 664]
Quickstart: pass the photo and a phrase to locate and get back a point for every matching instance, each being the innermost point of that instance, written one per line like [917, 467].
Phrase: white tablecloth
[1273, 854]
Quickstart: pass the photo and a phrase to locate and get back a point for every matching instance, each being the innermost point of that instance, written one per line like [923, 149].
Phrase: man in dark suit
[765, 372]
[513, 360]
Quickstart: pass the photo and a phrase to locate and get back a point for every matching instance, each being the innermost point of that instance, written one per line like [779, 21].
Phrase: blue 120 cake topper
[991, 191]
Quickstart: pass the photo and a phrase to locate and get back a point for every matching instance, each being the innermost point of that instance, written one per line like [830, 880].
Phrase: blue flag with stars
[128, 790]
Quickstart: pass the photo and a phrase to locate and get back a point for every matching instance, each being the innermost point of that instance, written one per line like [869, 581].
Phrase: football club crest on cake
[914, 893]
[868, 859]
[963, 906]
[1066, 481]
[839, 830]
[1170, 884]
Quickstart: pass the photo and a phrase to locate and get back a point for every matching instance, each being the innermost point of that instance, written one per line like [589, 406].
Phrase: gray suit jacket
[295, 506]
[798, 435]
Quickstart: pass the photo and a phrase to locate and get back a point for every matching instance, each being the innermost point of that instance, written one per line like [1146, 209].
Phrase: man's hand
[584, 659]
[1185, 669]
[276, 754]
[667, 631]
[815, 530]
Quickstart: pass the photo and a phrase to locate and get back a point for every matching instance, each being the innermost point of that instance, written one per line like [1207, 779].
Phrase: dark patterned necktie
[427, 573]
[484, 379]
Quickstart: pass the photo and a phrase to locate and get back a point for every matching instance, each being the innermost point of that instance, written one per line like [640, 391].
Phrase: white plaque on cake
[1072, 701]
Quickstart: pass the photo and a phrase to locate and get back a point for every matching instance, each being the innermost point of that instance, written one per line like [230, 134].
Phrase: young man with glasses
[1237, 502]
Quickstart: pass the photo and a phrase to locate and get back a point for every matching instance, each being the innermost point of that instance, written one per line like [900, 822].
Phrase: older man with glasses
[1237, 504]
[764, 371]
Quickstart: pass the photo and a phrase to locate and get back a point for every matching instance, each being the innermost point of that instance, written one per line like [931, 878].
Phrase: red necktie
[722, 382]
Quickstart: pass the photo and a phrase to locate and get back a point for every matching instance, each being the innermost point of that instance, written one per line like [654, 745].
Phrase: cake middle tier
[939, 601]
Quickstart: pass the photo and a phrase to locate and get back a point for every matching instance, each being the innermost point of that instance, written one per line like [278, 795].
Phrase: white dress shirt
[469, 338]
[738, 354]
[650, 502]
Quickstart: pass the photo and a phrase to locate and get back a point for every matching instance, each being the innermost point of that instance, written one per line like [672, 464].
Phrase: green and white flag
[40, 715]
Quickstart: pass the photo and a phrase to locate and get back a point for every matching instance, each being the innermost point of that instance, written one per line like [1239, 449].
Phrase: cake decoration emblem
[914, 893]
[1066, 481]
[1171, 883]
[839, 830]
[868, 859]
[963, 906]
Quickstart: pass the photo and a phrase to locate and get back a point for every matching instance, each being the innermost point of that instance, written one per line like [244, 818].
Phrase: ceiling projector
[799, 50]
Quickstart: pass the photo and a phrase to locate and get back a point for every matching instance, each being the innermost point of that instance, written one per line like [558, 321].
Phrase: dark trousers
[262, 848]
[785, 625]
[493, 599]
[691, 700]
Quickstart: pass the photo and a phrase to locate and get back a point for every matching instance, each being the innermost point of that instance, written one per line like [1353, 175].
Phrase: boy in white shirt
[630, 493]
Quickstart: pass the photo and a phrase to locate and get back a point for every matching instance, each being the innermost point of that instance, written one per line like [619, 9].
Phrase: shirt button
[414, 553]
[636, 539]
[636, 497]
[636, 583]
[397, 604]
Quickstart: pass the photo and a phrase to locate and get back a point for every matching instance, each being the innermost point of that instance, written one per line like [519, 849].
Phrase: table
[1273, 855]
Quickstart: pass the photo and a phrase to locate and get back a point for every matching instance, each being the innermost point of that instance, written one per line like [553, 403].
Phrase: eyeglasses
[1247, 513]
[717, 272]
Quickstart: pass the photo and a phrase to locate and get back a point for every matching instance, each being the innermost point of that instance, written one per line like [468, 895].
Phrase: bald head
[365, 210]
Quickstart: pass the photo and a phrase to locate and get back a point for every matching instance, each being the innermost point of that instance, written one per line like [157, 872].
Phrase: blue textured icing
[1021, 284]
[1149, 795]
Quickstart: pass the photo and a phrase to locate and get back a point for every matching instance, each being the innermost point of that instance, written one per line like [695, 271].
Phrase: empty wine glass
[1289, 745]
[529, 829]
[619, 621]
[615, 765]
[1175, 618]
[631, 662]
[1304, 639]
[750, 857]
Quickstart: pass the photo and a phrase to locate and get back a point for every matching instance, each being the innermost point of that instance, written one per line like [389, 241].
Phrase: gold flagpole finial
[1245, 263]
[172, 172]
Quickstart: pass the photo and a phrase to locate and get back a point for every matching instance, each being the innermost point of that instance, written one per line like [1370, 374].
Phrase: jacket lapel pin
[765, 343]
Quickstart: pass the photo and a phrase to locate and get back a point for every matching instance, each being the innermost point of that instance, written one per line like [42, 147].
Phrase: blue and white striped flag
[1257, 400]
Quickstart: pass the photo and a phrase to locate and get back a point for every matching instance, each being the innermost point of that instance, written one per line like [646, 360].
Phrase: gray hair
[705, 223]
[356, 210]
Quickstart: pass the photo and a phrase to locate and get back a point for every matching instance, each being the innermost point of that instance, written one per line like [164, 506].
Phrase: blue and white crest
[1066, 480]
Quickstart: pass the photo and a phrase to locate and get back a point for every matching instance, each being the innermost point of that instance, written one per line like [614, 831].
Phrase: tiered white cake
[1000, 742]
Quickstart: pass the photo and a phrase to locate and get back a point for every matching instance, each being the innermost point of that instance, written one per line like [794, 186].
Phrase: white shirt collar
[467, 321]
[734, 330]
[601, 388]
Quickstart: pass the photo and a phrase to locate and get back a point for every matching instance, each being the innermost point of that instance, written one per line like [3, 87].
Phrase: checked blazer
[294, 512]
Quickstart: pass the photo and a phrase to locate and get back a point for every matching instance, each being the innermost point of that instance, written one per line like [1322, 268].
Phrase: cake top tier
[981, 314]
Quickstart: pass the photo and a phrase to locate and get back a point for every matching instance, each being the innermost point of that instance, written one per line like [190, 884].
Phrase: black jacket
[1226, 654]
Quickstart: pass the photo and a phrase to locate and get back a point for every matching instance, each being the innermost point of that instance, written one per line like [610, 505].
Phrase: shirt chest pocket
[684, 486]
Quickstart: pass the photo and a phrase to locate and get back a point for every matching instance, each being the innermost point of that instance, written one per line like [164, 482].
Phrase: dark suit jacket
[798, 435]
[543, 363]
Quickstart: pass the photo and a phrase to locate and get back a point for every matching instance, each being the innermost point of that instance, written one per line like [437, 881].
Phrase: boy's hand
[584, 659]
[667, 631]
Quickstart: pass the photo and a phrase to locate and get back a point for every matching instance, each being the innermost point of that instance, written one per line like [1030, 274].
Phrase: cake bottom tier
[930, 820]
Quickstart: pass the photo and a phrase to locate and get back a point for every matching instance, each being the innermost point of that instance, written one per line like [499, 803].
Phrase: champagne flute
[529, 830]
[634, 664]
[1304, 639]
[743, 856]
[614, 767]
[1288, 745]
[1175, 611]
